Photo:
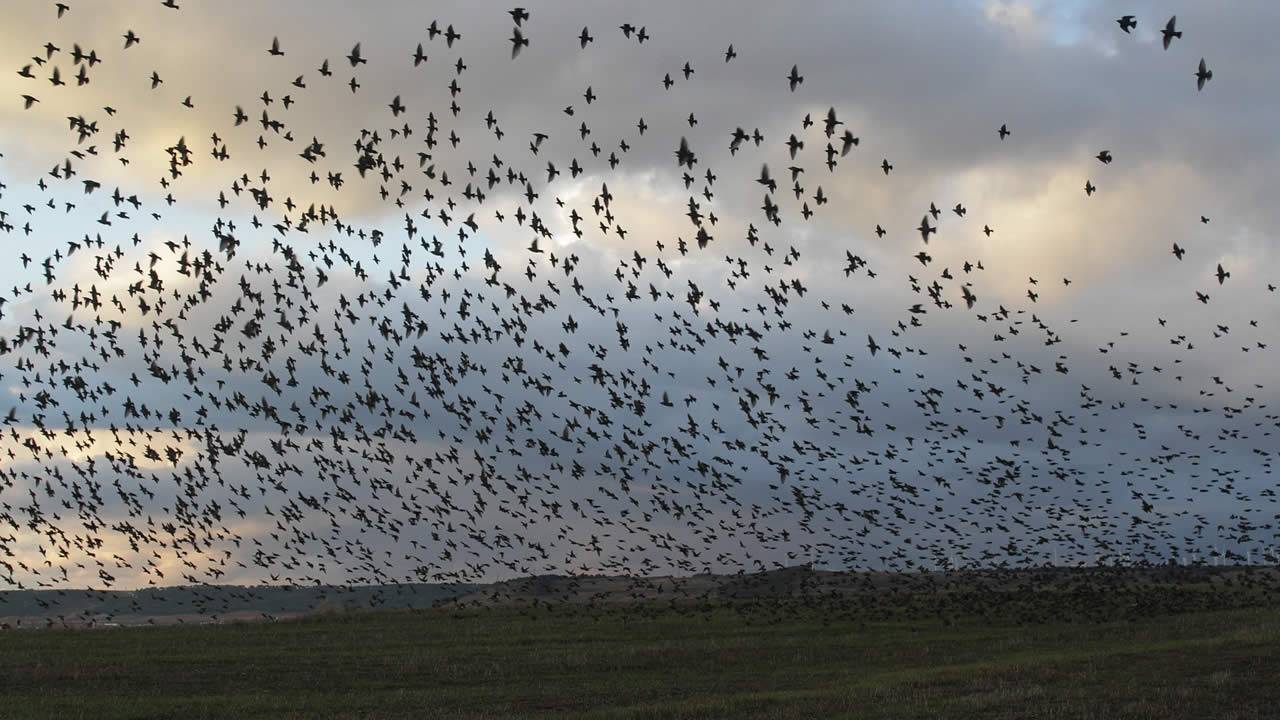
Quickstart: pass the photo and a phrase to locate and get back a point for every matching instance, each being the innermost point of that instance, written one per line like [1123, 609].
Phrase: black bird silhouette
[1170, 32]
[1203, 75]
[354, 56]
[925, 229]
[794, 78]
[518, 41]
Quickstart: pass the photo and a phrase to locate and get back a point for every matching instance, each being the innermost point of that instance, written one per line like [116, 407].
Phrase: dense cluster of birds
[496, 372]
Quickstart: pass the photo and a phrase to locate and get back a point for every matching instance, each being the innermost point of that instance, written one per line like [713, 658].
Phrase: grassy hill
[691, 662]
[794, 643]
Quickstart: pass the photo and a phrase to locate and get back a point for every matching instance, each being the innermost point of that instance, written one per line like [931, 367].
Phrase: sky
[452, 403]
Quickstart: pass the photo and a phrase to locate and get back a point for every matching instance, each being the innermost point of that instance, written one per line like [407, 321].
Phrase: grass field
[716, 663]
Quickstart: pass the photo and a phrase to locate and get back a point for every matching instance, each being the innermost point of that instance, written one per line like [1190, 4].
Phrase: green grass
[500, 663]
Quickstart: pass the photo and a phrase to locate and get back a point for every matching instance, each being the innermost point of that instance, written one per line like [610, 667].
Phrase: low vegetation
[763, 659]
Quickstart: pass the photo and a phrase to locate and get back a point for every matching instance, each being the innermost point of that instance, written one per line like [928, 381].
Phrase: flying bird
[794, 78]
[518, 41]
[1170, 32]
[1203, 75]
[354, 56]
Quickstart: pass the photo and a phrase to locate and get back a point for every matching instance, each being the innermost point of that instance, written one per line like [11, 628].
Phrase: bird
[685, 156]
[518, 41]
[354, 56]
[925, 229]
[794, 78]
[847, 143]
[1170, 32]
[1127, 23]
[1203, 75]
[1004, 132]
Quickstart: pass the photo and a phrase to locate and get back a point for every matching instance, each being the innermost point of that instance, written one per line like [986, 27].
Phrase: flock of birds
[289, 395]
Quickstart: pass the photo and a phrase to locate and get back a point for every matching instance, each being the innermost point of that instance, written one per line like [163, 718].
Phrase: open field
[695, 663]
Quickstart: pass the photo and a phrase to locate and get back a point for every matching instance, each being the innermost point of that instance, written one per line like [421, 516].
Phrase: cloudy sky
[371, 401]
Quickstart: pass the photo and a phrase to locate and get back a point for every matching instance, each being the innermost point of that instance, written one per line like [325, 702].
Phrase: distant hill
[217, 601]
[1098, 590]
